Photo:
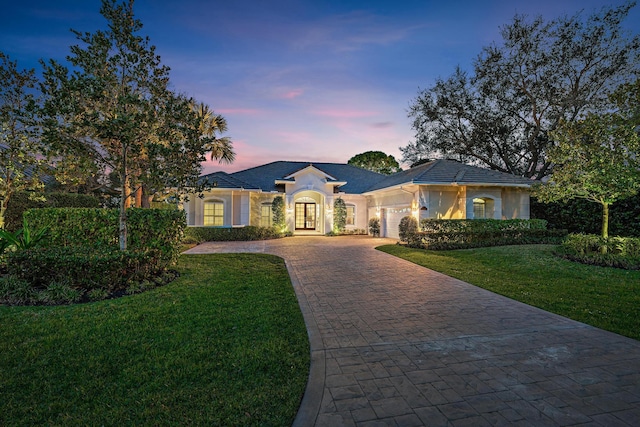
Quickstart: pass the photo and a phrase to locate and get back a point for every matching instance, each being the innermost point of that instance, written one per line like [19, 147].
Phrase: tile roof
[263, 177]
[360, 180]
[225, 180]
[450, 172]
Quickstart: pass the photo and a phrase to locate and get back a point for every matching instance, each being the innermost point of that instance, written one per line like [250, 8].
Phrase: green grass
[604, 297]
[224, 344]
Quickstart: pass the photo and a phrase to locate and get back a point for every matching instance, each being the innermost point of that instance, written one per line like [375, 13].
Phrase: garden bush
[407, 228]
[228, 234]
[374, 227]
[480, 239]
[23, 201]
[339, 215]
[80, 267]
[155, 231]
[620, 252]
[438, 234]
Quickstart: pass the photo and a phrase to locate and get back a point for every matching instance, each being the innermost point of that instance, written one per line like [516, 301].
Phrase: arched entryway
[308, 212]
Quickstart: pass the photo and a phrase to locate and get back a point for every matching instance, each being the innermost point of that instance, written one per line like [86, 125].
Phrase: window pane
[266, 218]
[351, 215]
[213, 214]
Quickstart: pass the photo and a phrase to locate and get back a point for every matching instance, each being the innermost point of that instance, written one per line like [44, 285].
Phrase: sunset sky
[296, 80]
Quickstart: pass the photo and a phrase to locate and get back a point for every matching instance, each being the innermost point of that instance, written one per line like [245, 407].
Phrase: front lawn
[604, 297]
[224, 344]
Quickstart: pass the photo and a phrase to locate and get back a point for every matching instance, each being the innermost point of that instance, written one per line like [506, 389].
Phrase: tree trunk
[605, 220]
[124, 177]
[139, 197]
[146, 198]
[605, 226]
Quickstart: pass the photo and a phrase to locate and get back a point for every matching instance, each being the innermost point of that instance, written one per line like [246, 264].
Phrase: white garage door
[392, 220]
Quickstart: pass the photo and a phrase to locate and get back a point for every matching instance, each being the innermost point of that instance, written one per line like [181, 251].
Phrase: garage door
[392, 220]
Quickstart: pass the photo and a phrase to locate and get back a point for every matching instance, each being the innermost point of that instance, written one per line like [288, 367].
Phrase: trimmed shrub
[158, 232]
[227, 234]
[339, 215]
[407, 228]
[468, 240]
[278, 212]
[81, 267]
[430, 225]
[374, 227]
[23, 201]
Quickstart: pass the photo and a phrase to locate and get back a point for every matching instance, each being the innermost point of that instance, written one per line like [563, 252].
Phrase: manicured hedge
[228, 234]
[480, 239]
[81, 267]
[438, 234]
[158, 231]
[22, 201]
[480, 225]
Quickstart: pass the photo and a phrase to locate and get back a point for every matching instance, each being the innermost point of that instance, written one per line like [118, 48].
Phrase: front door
[305, 216]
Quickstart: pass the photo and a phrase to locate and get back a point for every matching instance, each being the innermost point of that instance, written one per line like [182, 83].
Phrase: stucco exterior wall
[360, 203]
[515, 204]
[446, 203]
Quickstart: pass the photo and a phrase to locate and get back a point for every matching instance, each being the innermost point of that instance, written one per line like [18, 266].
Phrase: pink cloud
[292, 94]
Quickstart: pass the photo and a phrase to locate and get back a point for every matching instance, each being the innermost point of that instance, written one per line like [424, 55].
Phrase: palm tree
[212, 124]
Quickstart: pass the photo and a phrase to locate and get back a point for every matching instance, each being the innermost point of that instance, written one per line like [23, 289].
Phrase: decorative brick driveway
[395, 344]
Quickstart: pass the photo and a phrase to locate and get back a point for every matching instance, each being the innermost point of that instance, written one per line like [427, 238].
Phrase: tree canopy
[597, 158]
[376, 161]
[544, 73]
[20, 146]
[114, 111]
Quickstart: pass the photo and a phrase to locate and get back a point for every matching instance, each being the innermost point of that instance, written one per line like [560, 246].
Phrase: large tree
[376, 161]
[114, 109]
[597, 158]
[501, 115]
[211, 125]
[20, 145]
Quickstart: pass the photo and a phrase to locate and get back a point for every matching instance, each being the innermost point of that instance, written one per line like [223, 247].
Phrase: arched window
[483, 208]
[213, 213]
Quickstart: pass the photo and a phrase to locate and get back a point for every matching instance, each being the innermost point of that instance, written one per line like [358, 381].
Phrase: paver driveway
[396, 344]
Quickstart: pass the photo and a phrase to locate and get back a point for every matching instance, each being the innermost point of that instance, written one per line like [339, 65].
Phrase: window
[266, 215]
[351, 215]
[479, 208]
[213, 214]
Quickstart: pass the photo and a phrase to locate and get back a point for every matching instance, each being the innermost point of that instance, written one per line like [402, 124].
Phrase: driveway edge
[313, 393]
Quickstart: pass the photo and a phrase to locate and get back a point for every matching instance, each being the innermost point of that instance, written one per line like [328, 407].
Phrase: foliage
[407, 228]
[339, 215]
[620, 252]
[20, 146]
[221, 148]
[22, 201]
[350, 232]
[430, 225]
[228, 234]
[606, 298]
[542, 73]
[23, 239]
[480, 239]
[374, 227]
[115, 111]
[597, 159]
[376, 161]
[204, 350]
[582, 216]
[278, 210]
[83, 268]
[158, 232]
[439, 234]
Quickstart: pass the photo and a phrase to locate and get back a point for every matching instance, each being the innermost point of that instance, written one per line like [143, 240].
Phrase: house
[439, 189]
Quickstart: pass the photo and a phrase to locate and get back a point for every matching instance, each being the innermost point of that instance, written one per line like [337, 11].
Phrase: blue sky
[296, 80]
